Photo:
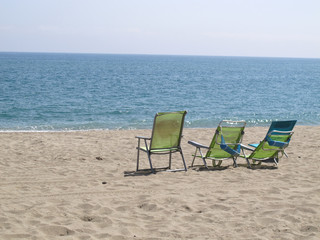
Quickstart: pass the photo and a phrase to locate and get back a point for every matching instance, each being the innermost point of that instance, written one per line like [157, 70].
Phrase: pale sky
[270, 28]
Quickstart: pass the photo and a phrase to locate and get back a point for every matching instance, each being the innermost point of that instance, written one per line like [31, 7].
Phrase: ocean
[63, 92]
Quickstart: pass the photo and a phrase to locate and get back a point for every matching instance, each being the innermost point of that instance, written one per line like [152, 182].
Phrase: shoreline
[120, 129]
[73, 184]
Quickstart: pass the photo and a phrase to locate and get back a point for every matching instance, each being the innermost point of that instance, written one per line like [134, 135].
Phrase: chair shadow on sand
[259, 166]
[201, 168]
[140, 173]
[146, 172]
[143, 172]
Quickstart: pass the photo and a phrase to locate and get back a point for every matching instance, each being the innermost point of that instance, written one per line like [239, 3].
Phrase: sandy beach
[79, 185]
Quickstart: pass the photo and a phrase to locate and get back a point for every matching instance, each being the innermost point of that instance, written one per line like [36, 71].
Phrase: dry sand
[51, 187]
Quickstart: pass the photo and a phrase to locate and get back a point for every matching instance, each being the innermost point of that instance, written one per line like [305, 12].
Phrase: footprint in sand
[309, 229]
[148, 207]
[56, 230]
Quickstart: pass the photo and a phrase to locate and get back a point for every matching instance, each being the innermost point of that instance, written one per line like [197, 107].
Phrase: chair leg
[137, 161]
[235, 162]
[276, 159]
[170, 160]
[138, 155]
[194, 157]
[184, 163]
[205, 162]
[248, 162]
[203, 158]
[149, 158]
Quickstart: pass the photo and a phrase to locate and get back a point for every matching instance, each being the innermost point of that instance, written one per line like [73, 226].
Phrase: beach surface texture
[82, 185]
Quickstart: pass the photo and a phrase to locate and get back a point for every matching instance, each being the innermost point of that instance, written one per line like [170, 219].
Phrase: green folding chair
[165, 138]
[270, 149]
[224, 145]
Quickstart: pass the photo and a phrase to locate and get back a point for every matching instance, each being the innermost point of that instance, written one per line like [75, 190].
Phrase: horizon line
[157, 54]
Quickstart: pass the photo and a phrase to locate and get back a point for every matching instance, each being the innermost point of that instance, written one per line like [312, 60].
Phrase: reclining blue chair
[272, 147]
[278, 126]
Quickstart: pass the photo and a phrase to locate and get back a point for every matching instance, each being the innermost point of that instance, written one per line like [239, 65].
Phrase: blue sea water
[48, 91]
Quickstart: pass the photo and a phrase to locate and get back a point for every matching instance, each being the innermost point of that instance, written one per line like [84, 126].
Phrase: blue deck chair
[272, 146]
[278, 126]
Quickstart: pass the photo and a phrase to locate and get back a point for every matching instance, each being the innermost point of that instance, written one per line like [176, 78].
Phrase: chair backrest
[282, 126]
[232, 132]
[274, 143]
[167, 130]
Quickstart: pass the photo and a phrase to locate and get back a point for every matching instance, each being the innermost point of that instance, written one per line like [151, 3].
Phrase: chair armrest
[246, 147]
[276, 143]
[281, 132]
[197, 144]
[141, 137]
